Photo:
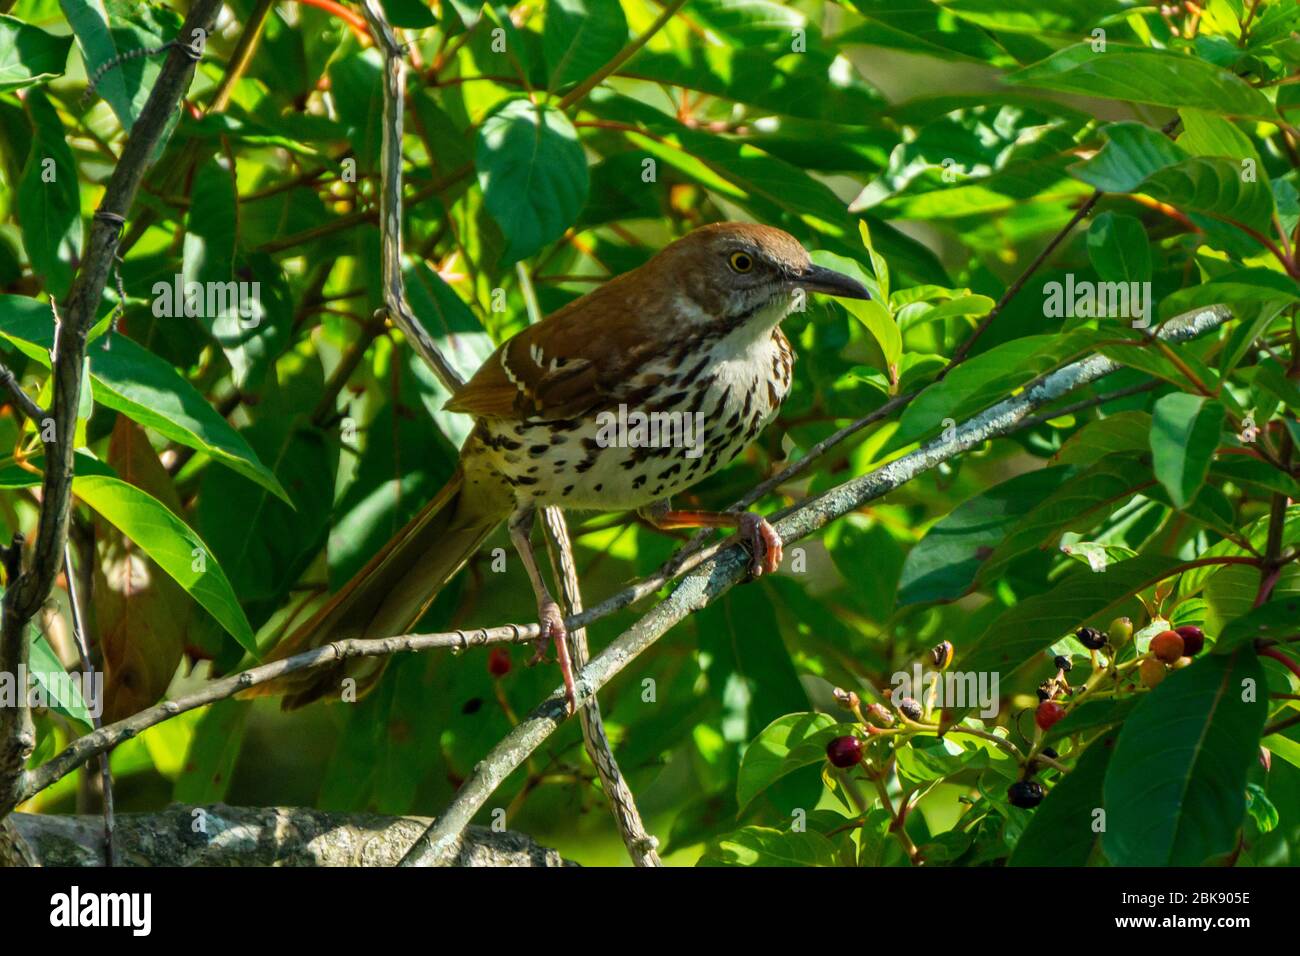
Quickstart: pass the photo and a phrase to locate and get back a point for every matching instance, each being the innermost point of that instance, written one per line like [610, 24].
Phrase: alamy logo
[44, 689]
[638, 429]
[74, 908]
[949, 689]
[1098, 300]
[180, 299]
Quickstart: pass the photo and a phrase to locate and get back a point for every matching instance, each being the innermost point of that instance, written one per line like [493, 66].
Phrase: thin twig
[22, 401]
[104, 739]
[390, 200]
[75, 599]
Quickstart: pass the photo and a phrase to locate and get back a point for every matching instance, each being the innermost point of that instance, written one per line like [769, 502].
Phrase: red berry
[499, 662]
[1193, 639]
[1167, 646]
[844, 752]
[1048, 713]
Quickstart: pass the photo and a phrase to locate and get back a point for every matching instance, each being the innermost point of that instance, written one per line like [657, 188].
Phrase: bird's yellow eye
[741, 261]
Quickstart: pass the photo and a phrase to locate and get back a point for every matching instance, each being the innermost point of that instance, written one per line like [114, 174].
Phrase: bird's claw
[554, 633]
[764, 543]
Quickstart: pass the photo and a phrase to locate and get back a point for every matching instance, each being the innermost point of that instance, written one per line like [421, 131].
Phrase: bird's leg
[763, 541]
[549, 615]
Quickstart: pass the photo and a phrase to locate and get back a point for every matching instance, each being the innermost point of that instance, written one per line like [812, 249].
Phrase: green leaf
[785, 745]
[883, 329]
[1118, 248]
[213, 750]
[159, 533]
[1114, 434]
[1215, 187]
[1261, 809]
[1141, 75]
[1064, 830]
[983, 379]
[126, 83]
[1175, 791]
[1079, 503]
[1205, 134]
[764, 846]
[235, 313]
[143, 387]
[580, 37]
[1277, 620]
[944, 563]
[1132, 152]
[879, 267]
[533, 174]
[62, 690]
[49, 203]
[272, 543]
[1184, 434]
[357, 83]
[29, 55]
[408, 14]
[1251, 472]
[172, 544]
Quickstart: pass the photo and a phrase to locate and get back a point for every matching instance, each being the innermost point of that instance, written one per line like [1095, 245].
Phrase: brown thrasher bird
[690, 340]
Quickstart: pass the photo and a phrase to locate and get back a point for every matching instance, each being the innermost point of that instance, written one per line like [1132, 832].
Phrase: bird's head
[735, 271]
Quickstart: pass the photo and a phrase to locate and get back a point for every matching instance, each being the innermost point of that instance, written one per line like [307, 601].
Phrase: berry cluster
[1171, 648]
[1116, 669]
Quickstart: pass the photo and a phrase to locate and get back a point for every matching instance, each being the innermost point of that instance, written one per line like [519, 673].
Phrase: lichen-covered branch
[220, 835]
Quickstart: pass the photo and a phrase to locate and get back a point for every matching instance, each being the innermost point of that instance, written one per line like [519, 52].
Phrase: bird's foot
[555, 633]
[764, 543]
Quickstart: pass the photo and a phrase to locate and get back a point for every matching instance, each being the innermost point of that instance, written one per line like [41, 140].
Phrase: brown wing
[567, 363]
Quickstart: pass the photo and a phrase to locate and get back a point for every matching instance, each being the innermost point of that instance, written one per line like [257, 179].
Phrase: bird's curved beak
[819, 279]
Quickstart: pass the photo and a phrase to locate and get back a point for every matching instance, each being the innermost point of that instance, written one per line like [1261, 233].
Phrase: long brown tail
[390, 594]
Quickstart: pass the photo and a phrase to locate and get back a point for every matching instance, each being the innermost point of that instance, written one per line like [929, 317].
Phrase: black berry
[910, 708]
[1049, 752]
[1193, 639]
[1091, 638]
[1063, 663]
[1025, 794]
[844, 751]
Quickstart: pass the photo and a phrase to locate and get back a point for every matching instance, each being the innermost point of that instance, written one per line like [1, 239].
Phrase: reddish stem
[351, 18]
[1282, 659]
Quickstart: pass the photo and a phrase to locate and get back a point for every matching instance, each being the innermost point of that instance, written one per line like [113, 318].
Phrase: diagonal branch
[640, 844]
[719, 573]
[390, 201]
[25, 595]
[24, 402]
